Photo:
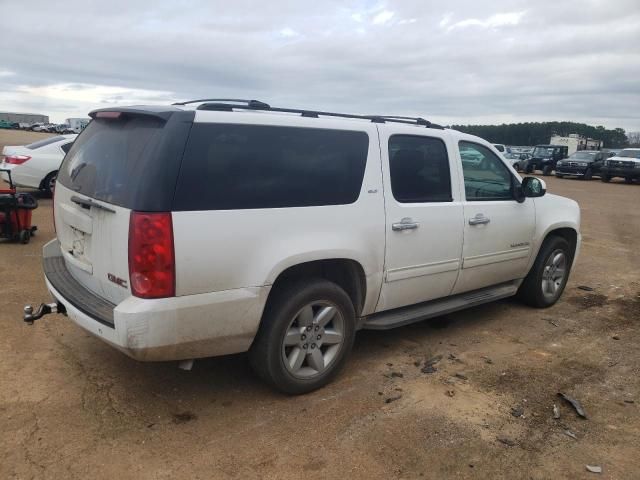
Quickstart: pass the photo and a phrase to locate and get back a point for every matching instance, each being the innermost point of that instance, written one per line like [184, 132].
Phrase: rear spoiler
[162, 112]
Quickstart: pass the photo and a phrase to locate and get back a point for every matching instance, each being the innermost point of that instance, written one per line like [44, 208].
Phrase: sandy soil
[72, 407]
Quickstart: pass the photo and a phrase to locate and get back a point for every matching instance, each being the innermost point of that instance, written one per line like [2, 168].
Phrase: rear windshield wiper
[87, 203]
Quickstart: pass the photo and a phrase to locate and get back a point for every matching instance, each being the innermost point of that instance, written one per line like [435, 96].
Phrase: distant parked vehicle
[42, 127]
[517, 159]
[36, 165]
[545, 157]
[502, 148]
[584, 164]
[6, 124]
[625, 164]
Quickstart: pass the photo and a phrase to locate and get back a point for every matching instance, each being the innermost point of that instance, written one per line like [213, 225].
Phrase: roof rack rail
[217, 104]
[250, 103]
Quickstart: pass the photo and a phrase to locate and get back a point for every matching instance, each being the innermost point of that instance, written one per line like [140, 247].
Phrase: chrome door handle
[479, 219]
[404, 224]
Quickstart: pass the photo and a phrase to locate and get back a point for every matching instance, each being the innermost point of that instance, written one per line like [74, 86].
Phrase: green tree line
[535, 133]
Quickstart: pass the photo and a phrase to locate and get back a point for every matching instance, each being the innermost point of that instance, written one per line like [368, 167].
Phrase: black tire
[266, 353]
[628, 180]
[530, 291]
[528, 168]
[25, 236]
[559, 175]
[605, 178]
[588, 174]
[546, 170]
[48, 183]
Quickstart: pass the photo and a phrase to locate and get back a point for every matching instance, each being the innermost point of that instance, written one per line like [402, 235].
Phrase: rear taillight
[151, 255]
[16, 159]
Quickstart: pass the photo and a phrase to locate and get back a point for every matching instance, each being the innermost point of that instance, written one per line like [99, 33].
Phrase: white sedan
[36, 165]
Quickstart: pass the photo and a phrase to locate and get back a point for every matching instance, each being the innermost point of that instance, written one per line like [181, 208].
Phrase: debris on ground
[487, 360]
[594, 468]
[450, 393]
[586, 288]
[574, 403]
[569, 433]
[517, 411]
[507, 441]
[461, 376]
[452, 357]
[550, 320]
[397, 375]
[392, 399]
[629, 401]
[616, 337]
[556, 411]
[183, 417]
[429, 364]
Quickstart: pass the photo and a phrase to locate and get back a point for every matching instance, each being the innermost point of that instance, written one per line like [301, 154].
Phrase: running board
[421, 311]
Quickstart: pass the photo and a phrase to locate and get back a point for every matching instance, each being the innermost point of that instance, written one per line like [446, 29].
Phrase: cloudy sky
[451, 62]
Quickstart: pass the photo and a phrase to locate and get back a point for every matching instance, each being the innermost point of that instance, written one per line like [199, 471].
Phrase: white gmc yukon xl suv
[216, 227]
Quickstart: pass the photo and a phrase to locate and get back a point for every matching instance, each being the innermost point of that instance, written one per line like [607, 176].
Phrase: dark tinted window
[419, 169]
[486, 177]
[107, 159]
[45, 142]
[228, 167]
[66, 147]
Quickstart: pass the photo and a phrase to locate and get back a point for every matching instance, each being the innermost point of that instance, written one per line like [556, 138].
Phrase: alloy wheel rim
[313, 339]
[553, 274]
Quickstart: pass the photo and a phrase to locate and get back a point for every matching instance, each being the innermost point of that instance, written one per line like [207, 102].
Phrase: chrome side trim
[489, 258]
[422, 270]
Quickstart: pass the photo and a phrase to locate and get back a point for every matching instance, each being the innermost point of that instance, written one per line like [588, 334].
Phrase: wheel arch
[345, 272]
[44, 179]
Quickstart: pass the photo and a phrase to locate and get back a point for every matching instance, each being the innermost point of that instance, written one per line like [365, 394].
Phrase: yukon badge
[521, 244]
[121, 282]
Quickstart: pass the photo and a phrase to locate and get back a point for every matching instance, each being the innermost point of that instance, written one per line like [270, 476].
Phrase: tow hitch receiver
[44, 309]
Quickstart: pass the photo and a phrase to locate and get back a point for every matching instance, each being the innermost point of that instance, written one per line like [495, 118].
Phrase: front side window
[231, 167]
[486, 177]
[419, 168]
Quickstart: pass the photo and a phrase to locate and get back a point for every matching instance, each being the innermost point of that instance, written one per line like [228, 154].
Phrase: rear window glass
[111, 157]
[228, 167]
[45, 142]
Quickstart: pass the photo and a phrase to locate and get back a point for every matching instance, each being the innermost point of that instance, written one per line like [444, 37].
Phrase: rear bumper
[177, 328]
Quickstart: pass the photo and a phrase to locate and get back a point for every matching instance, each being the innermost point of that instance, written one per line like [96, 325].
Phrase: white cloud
[494, 21]
[6, 73]
[93, 94]
[357, 17]
[446, 18]
[383, 17]
[288, 32]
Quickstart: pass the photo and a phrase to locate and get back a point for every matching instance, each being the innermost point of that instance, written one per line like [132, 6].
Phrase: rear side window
[45, 142]
[419, 169]
[66, 147]
[229, 167]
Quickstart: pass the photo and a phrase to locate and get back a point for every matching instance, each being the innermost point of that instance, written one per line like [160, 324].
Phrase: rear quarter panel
[229, 249]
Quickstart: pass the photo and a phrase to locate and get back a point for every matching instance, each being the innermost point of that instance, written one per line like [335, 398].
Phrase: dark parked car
[584, 164]
[545, 157]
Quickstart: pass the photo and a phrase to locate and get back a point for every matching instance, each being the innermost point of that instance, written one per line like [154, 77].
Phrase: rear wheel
[588, 174]
[49, 183]
[516, 166]
[547, 278]
[306, 334]
[528, 168]
[546, 170]
[605, 178]
[628, 180]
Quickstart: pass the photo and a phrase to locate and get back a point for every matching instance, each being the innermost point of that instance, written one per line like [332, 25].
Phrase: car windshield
[583, 156]
[542, 152]
[629, 154]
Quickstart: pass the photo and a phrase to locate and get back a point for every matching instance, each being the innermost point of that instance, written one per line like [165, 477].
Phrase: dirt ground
[73, 407]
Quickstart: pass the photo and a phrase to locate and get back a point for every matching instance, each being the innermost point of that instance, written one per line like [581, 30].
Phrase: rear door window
[419, 168]
[229, 167]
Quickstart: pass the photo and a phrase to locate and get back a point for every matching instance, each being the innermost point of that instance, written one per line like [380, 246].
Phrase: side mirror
[533, 187]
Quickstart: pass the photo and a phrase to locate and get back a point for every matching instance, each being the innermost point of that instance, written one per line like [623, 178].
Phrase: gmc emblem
[117, 280]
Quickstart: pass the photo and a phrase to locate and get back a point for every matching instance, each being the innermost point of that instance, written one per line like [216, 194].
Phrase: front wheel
[546, 171]
[628, 180]
[547, 278]
[588, 174]
[305, 337]
[528, 169]
[605, 178]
